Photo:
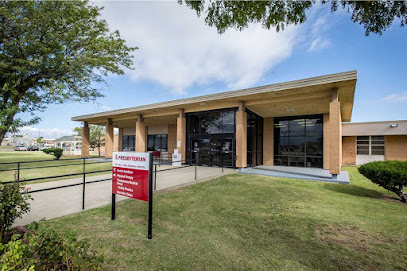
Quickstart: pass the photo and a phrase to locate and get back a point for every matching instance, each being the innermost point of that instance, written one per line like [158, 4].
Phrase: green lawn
[253, 222]
[24, 156]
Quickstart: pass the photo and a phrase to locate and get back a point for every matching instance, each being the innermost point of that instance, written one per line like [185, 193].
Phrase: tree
[53, 52]
[375, 16]
[391, 175]
[96, 136]
[39, 140]
[13, 204]
[77, 131]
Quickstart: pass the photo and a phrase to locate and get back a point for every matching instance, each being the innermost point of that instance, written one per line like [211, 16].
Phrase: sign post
[132, 176]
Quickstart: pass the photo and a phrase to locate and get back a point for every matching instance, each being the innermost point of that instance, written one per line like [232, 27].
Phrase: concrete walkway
[65, 201]
[312, 174]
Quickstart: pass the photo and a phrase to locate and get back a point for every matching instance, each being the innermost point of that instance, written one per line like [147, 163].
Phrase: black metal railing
[83, 173]
[90, 161]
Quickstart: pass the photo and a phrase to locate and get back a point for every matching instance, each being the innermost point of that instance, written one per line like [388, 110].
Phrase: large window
[128, 143]
[254, 139]
[298, 141]
[370, 145]
[157, 143]
[212, 135]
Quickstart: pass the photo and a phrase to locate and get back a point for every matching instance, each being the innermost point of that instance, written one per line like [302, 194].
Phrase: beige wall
[241, 139]
[181, 136]
[335, 138]
[172, 138]
[109, 139]
[326, 141]
[396, 147]
[349, 150]
[141, 137]
[161, 129]
[115, 142]
[268, 142]
[129, 131]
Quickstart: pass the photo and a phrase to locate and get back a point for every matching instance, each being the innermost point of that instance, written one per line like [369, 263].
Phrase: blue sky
[180, 57]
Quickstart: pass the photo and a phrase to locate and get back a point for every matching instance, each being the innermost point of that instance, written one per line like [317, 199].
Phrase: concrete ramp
[312, 174]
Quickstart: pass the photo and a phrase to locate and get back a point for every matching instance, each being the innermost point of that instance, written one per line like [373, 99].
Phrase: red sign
[130, 175]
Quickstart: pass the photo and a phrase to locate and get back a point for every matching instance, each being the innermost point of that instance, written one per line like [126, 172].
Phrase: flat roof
[309, 88]
[389, 127]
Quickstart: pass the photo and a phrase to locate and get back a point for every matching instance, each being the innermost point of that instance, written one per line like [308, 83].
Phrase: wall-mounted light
[202, 104]
[290, 110]
[394, 125]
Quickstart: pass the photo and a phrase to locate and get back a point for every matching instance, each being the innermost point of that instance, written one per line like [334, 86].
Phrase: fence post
[83, 184]
[18, 171]
[155, 177]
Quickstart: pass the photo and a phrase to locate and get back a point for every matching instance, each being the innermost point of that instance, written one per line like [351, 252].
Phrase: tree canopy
[53, 52]
[374, 16]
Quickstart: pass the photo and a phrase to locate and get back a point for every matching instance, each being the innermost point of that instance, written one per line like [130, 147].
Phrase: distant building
[71, 145]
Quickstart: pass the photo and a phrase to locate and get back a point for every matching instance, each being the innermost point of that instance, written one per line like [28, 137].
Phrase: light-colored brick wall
[396, 147]
[268, 142]
[349, 150]
[172, 138]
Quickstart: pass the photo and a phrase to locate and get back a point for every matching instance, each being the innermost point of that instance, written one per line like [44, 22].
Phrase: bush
[42, 248]
[391, 175]
[13, 205]
[57, 152]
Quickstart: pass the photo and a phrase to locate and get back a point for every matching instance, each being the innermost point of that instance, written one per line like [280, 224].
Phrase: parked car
[33, 148]
[20, 148]
[44, 147]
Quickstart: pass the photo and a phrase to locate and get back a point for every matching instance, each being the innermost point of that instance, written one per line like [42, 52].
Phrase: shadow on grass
[354, 190]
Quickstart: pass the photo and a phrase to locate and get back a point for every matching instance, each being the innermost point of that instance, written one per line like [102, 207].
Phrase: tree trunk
[399, 191]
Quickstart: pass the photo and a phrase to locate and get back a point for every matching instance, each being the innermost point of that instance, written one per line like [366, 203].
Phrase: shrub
[391, 175]
[57, 152]
[13, 205]
[42, 248]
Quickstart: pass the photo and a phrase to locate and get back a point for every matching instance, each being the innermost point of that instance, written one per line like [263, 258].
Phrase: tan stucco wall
[349, 150]
[396, 147]
[160, 129]
[268, 142]
[172, 138]
[129, 131]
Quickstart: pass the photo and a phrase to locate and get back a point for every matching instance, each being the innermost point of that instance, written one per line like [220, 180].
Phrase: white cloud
[396, 97]
[104, 107]
[45, 133]
[177, 49]
[318, 34]
[319, 44]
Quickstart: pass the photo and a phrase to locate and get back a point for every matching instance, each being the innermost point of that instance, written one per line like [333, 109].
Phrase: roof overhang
[299, 97]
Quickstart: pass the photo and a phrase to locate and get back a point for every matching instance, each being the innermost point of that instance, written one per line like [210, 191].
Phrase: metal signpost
[132, 176]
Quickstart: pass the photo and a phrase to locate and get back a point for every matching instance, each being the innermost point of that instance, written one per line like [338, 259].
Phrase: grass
[73, 166]
[253, 222]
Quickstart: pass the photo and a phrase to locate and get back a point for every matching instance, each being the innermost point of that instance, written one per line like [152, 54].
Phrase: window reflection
[298, 141]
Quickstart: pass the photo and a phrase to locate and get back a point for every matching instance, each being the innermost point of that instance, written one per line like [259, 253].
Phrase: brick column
[326, 142]
[268, 142]
[181, 134]
[141, 135]
[120, 139]
[109, 139]
[335, 135]
[85, 140]
[241, 136]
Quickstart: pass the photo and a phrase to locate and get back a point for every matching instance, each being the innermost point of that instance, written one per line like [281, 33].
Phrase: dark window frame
[162, 147]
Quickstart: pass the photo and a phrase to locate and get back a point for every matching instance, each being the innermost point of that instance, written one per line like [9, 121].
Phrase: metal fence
[83, 161]
[160, 165]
